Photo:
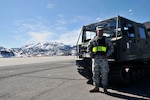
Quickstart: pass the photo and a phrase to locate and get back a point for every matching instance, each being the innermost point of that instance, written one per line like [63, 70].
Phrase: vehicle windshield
[112, 30]
[109, 31]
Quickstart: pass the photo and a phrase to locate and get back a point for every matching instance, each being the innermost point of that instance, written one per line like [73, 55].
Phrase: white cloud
[130, 11]
[83, 17]
[37, 30]
[50, 6]
[98, 19]
[69, 37]
[60, 28]
[32, 31]
[36, 37]
[60, 25]
[61, 15]
[61, 22]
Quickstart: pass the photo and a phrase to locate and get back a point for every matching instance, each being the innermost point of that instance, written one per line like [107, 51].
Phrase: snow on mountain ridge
[42, 49]
[44, 45]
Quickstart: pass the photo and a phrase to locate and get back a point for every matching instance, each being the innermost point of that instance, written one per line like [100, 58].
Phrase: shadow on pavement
[136, 91]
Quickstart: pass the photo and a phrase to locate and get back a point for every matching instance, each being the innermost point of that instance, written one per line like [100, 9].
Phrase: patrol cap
[99, 28]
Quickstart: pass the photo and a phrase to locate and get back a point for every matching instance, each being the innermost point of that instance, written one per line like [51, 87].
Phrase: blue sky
[31, 21]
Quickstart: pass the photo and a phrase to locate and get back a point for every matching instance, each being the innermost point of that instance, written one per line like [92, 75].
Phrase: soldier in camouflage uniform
[99, 49]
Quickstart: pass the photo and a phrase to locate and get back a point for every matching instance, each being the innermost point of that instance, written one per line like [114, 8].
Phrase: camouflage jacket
[93, 43]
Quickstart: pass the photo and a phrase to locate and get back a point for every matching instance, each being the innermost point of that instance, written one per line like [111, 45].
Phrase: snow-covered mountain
[39, 49]
[4, 52]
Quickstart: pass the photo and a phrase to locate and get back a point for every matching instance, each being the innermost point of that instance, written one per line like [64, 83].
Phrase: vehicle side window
[90, 35]
[129, 30]
[142, 33]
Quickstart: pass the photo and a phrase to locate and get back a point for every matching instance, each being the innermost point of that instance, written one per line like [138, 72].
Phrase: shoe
[90, 81]
[105, 91]
[95, 90]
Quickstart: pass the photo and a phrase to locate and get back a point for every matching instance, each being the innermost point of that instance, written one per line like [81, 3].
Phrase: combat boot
[96, 89]
[90, 81]
[105, 91]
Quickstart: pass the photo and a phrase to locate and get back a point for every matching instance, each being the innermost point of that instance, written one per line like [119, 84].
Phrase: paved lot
[56, 78]
[31, 60]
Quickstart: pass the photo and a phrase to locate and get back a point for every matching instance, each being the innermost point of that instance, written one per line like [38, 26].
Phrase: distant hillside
[39, 49]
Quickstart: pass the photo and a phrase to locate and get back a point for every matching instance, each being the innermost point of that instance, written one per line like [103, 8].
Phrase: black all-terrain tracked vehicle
[130, 60]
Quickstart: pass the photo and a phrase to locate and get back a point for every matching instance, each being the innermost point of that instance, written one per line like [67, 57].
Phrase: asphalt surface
[56, 78]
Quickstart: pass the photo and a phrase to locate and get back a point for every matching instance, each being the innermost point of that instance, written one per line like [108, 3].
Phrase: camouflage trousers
[100, 67]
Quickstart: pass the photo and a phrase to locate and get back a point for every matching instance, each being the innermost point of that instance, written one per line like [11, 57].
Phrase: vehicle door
[143, 39]
[132, 48]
